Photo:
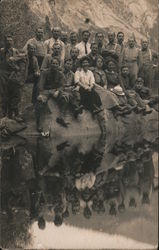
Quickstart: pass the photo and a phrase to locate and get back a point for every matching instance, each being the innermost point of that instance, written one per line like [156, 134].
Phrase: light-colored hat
[118, 90]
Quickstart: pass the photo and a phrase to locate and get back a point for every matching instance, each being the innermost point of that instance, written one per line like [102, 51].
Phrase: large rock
[86, 124]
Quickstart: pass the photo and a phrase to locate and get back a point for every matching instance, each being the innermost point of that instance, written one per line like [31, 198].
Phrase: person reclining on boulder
[50, 86]
[133, 98]
[85, 80]
[33, 71]
[145, 93]
[73, 96]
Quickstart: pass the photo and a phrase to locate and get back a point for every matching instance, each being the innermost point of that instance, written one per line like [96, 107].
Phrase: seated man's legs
[39, 109]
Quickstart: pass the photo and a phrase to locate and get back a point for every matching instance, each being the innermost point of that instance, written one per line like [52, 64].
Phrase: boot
[38, 123]
[147, 111]
[78, 110]
[61, 121]
[97, 109]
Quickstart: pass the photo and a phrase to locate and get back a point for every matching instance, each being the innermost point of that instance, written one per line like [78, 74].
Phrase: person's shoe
[120, 108]
[39, 129]
[146, 112]
[138, 110]
[117, 113]
[131, 156]
[97, 109]
[127, 112]
[18, 119]
[78, 111]
[61, 121]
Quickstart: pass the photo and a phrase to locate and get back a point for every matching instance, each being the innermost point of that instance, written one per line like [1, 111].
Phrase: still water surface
[79, 193]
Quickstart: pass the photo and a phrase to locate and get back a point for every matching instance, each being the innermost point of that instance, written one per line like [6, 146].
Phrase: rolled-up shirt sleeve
[77, 77]
[91, 79]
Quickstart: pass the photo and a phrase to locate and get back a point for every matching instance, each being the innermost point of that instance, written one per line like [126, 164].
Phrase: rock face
[21, 17]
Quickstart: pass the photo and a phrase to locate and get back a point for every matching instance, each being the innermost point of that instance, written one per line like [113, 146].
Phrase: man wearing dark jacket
[49, 86]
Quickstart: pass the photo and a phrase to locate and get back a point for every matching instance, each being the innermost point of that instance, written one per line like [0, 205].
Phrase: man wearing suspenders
[146, 63]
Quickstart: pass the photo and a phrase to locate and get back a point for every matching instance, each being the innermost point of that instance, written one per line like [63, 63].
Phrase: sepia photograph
[79, 105]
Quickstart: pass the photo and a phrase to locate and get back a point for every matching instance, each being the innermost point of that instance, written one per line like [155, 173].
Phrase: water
[79, 193]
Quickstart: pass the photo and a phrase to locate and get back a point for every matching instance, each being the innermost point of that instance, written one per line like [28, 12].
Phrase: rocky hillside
[21, 17]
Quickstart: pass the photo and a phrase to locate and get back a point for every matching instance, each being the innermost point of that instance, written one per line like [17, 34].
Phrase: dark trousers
[40, 60]
[10, 95]
[90, 99]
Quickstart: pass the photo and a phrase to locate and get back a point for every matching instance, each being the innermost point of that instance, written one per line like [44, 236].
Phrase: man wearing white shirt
[84, 78]
[56, 33]
[84, 46]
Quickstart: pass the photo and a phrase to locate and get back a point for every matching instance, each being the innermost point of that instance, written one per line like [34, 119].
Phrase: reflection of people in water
[146, 178]
[113, 191]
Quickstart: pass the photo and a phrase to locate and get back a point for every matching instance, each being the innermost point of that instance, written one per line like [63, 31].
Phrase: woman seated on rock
[99, 74]
[85, 80]
[112, 74]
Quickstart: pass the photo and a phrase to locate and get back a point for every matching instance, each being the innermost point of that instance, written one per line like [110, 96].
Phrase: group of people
[69, 71]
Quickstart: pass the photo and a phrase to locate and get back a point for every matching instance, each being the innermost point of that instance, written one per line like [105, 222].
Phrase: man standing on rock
[38, 43]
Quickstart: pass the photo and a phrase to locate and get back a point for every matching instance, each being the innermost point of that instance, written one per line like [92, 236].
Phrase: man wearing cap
[72, 44]
[38, 43]
[130, 57]
[84, 46]
[146, 63]
[56, 52]
[99, 38]
[56, 33]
